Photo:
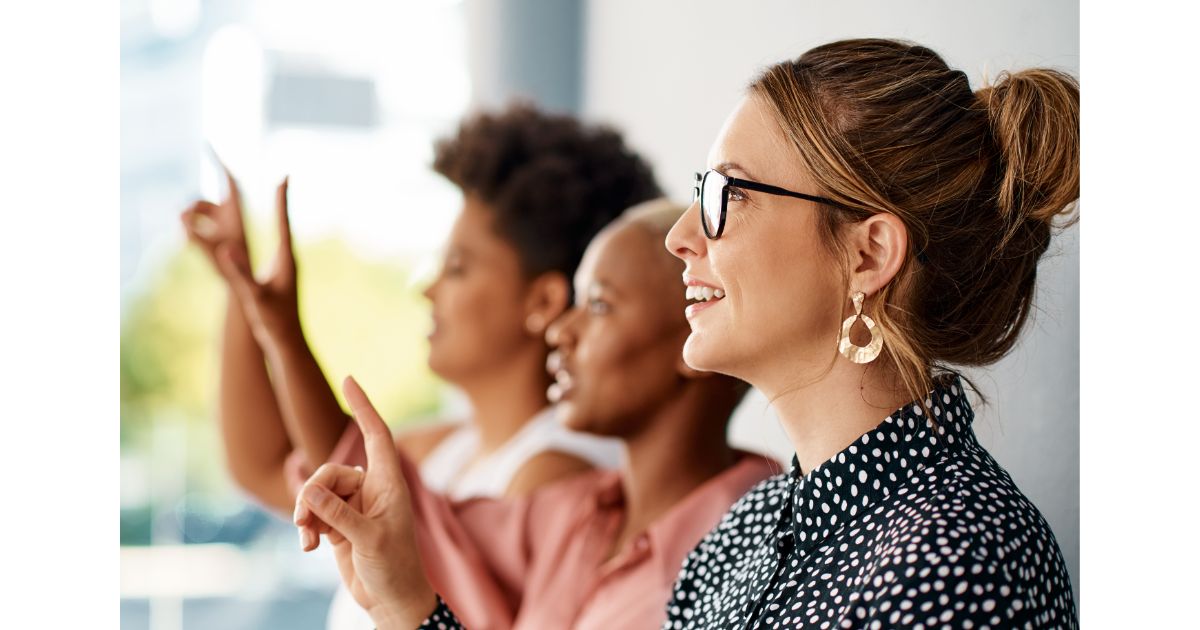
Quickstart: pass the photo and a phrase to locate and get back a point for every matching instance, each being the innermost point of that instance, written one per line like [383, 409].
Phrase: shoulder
[964, 533]
[418, 442]
[542, 469]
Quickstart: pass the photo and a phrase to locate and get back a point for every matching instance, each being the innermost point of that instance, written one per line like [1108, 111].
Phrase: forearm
[311, 413]
[252, 429]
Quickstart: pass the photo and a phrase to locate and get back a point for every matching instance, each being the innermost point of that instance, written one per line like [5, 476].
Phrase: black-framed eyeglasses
[712, 189]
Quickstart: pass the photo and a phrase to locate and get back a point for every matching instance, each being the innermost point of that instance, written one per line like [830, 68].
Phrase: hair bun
[1034, 117]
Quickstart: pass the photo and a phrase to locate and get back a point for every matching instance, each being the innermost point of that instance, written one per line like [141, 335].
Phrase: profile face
[477, 299]
[617, 350]
[782, 292]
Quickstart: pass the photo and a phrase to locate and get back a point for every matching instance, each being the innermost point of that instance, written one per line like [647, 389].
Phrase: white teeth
[703, 294]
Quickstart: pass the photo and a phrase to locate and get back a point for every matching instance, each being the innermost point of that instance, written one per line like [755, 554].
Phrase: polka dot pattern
[914, 525]
[441, 618]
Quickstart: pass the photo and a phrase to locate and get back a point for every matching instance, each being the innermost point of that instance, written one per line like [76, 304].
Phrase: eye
[453, 267]
[737, 194]
[597, 306]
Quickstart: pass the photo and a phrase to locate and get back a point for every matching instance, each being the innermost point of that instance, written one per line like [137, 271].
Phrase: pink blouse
[538, 562]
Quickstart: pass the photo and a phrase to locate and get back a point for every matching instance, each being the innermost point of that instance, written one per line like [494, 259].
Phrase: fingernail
[315, 495]
[303, 539]
[298, 513]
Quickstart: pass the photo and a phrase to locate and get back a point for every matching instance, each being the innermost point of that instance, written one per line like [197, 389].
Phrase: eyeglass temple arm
[776, 190]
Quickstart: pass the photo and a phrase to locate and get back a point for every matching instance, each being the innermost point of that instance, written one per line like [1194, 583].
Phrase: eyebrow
[596, 286]
[724, 168]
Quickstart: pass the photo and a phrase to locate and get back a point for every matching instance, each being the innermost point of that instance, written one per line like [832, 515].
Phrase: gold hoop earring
[860, 354]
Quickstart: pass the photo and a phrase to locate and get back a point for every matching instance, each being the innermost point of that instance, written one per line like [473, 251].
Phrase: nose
[686, 238]
[431, 289]
[560, 334]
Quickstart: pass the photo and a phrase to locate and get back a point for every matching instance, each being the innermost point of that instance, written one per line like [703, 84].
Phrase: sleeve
[469, 559]
[442, 618]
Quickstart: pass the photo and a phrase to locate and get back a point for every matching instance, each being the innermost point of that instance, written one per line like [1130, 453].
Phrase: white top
[446, 470]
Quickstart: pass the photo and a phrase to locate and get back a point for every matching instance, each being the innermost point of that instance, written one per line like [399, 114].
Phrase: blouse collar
[875, 465]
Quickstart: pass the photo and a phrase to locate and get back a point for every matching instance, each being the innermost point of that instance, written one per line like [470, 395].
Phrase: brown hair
[552, 181]
[976, 177]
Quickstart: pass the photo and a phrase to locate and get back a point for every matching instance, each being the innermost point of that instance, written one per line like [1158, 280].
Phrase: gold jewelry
[860, 354]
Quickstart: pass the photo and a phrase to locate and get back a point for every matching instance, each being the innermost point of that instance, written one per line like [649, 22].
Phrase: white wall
[667, 73]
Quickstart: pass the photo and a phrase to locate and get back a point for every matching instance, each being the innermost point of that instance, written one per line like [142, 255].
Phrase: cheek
[481, 318]
[619, 372]
[783, 297]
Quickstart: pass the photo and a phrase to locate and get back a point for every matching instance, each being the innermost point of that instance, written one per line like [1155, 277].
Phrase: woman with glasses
[869, 223]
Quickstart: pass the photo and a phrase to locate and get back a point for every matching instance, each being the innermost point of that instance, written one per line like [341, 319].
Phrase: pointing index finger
[381, 450]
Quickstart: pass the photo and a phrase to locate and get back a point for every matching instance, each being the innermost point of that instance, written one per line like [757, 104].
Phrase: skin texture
[477, 323]
[671, 418]
[786, 293]
[495, 352]
[617, 340]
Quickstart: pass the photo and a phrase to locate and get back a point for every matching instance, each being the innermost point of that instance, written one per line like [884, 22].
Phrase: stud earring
[860, 354]
[535, 324]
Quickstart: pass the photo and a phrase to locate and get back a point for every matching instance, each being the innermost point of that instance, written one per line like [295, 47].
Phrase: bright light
[232, 99]
[174, 19]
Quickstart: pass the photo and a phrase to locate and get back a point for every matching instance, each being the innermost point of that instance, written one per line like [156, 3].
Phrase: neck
[679, 448]
[823, 417]
[504, 399]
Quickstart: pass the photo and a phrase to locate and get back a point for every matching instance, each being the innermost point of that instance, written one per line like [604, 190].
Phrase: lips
[705, 294]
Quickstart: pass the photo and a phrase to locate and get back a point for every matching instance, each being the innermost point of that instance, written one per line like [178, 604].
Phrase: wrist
[283, 338]
[407, 613]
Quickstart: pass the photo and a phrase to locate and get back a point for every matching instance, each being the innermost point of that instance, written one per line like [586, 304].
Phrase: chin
[577, 419]
[441, 366]
[698, 353]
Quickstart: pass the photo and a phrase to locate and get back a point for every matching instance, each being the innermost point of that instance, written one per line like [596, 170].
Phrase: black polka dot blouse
[914, 525]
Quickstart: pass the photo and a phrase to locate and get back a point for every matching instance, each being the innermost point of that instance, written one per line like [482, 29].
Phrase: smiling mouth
[701, 298]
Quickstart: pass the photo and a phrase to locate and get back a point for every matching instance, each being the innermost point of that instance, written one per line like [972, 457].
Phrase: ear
[547, 297]
[877, 249]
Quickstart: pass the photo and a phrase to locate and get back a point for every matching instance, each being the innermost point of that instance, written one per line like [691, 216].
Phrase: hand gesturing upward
[270, 304]
[368, 518]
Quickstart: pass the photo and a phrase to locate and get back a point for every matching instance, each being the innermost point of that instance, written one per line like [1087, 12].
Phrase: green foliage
[361, 317]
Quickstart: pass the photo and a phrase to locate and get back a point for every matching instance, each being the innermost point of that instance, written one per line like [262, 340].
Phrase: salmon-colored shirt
[538, 562]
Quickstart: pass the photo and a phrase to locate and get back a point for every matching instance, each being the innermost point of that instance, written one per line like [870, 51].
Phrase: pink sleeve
[481, 586]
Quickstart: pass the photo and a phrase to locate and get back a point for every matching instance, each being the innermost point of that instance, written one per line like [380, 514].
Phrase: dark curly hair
[552, 181]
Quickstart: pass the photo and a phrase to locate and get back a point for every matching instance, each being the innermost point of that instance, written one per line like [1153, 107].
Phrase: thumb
[335, 512]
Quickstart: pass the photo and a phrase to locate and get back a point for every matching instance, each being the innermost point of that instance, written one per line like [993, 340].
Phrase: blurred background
[346, 98]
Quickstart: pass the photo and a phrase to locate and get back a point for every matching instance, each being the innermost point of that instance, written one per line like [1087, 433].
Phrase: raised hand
[367, 517]
[270, 304]
[209, 225]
